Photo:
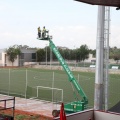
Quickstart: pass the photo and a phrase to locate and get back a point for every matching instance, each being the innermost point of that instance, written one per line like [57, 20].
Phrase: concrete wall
[86, 115]
[82, 69]
[81, 116]
[92, 115]
[1, 59]
[105, 116]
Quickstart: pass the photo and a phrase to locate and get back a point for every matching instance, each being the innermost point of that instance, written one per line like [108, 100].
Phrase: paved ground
[44, 108]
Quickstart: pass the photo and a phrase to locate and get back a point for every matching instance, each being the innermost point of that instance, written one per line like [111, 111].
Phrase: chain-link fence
[25, 82]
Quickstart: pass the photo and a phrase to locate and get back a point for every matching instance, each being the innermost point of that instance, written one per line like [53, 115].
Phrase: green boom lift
[77, 105]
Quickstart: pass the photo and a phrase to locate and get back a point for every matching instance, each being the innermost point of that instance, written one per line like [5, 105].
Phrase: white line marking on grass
[38, 78]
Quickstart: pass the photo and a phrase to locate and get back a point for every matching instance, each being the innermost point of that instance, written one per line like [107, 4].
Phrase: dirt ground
[21, 115]
[26, 109]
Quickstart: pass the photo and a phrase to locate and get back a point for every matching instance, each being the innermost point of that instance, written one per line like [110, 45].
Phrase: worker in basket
[44, 32]
[39, 32]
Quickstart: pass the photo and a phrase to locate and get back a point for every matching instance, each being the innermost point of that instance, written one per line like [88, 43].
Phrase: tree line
[78, 54]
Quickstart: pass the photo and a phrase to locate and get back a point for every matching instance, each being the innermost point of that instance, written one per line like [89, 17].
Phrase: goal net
[45, 93]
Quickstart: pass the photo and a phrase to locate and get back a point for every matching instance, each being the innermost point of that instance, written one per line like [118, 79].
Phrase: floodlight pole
[106, 57]
[46, 54]
[50, 57]
[98, 98]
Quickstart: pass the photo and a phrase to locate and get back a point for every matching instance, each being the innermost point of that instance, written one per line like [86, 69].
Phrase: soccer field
[25, 82]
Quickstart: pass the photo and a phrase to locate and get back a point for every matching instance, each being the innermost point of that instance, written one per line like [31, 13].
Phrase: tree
[93, 52]
[65, 53]
[82, 53]
[116, 58]
[115, 54]
[40, 55]
[12, 53]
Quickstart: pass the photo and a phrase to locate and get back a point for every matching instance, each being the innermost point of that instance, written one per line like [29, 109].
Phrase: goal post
[55, 93]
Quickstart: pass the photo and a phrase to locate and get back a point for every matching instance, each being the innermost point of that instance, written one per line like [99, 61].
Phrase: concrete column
[98, 98]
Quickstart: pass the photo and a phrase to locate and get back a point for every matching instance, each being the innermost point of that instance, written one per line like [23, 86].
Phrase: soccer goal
[54, 95]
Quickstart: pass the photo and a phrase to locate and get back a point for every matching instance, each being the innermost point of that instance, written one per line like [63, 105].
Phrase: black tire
[55, 113]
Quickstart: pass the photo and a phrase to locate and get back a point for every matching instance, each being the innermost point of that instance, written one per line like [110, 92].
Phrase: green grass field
[22, 82]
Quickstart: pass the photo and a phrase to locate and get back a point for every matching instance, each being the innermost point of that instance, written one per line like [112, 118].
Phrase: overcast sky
[71, 23]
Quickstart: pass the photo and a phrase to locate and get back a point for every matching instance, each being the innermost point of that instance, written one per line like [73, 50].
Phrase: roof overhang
[114, 3]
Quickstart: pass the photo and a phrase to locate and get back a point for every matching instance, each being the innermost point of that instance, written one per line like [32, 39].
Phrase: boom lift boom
[78, 105]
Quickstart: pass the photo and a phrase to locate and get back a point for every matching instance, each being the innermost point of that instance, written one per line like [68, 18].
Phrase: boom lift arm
[78, 105]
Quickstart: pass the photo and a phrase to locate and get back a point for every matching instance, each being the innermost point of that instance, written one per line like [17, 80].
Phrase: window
[22, 56]
[33, 55]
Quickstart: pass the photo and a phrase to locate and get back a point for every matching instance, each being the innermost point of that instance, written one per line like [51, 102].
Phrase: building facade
[4, 59]
[27, 55]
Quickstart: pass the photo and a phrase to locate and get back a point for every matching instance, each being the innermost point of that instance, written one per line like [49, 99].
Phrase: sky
[71, 23]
